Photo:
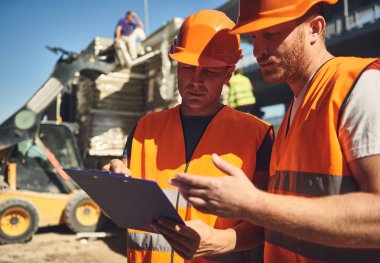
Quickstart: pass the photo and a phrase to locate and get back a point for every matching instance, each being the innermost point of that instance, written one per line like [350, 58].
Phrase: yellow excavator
[34, 190]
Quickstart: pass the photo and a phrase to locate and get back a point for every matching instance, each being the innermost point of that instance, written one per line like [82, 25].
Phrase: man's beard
[289, 65]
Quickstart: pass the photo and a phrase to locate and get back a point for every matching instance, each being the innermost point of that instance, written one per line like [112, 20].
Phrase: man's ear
[229, 73]
[317, 27]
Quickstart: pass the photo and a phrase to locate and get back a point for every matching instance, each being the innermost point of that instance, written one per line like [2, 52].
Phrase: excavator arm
[24, 123]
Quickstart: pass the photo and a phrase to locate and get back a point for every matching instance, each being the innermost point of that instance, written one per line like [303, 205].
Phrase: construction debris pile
[108, 105]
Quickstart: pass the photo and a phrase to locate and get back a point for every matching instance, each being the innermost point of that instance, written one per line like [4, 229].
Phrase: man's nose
[259, 48]
[197, 76]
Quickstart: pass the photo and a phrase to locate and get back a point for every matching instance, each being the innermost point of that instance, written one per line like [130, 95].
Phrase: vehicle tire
[18, 221]
[82, 214]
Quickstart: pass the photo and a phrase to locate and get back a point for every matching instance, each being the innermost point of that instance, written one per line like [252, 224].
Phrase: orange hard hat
[256, 15]
[204, 40]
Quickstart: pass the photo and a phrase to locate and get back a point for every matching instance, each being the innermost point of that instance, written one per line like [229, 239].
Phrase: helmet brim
[259, 24]
[263, 22]
[197, 60]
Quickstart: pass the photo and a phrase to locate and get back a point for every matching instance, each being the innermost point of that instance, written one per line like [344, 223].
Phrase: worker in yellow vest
[241, 92]
[183, 138]
[323, 201]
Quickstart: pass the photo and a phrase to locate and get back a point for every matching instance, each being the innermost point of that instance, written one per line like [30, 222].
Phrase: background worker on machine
[129, 30]
[183, 138]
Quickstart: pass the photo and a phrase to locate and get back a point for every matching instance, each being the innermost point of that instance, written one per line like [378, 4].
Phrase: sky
[28, 26]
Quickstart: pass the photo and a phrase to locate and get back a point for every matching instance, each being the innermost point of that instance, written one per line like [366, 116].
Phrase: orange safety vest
[158, 153]
[308, 161]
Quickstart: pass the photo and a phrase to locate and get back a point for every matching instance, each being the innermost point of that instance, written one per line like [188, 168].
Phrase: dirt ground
[58, 244]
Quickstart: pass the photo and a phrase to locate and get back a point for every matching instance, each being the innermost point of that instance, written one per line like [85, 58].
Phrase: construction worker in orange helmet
[183, 138]
[323, 198]
[203, 40]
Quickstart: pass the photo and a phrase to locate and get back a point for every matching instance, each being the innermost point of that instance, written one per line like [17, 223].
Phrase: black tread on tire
[16, 214]
[78, 200]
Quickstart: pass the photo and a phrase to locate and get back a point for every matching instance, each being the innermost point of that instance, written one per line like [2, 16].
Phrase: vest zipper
[187, 166]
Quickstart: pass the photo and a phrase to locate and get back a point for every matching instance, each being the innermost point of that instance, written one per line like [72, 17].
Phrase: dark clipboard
[129, 202]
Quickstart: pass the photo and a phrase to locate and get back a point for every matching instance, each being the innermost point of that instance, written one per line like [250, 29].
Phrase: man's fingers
[187, 190]
[183, 239]
[116, 169]
[117, 166]
[169, 224]
[225, 166]
[191, 180]
[198, 202]
[174, 240]
[173, 229]
[106, 167]
[127, 171]
[179, 184]
[187, 181]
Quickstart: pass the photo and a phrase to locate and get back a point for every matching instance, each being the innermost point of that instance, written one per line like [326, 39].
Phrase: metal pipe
[12, 176]
[146, 17]
[345, 6]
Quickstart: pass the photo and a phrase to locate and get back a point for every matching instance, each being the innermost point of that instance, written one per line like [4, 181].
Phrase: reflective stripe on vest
[320, 252]
[311, 184]
[148, 241]
[156, 242]
[172, 195]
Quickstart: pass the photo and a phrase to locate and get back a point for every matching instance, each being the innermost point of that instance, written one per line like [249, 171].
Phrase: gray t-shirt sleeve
[359, 131]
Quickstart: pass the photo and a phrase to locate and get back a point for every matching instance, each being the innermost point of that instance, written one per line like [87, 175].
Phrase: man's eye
[188, 67]
[213, 70]
[270, 35]
[210, 71]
